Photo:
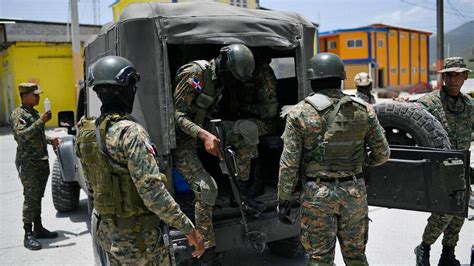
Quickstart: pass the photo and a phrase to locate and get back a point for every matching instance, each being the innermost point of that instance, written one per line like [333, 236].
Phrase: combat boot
[30, 242]
[448, 258]
[257, 188]
[255, 207]
[41, 232]
[422, 254]
[210, 258]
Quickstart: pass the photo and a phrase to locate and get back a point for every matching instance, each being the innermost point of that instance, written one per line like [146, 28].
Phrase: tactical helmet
[326, 65]
[239, 60]
[112, 70]
[362, 79]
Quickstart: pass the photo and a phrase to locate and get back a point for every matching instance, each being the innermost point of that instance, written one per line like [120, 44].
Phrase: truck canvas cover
[145, 30]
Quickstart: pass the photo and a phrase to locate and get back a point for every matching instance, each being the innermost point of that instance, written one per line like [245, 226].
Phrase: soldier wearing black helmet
[332, 136]
[198, 87]
[120, 165]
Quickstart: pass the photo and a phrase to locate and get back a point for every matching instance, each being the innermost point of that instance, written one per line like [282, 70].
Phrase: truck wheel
[65, 194]
[288, 247]
[409, 124]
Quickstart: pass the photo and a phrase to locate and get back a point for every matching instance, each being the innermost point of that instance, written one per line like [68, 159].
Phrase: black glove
[284, 211]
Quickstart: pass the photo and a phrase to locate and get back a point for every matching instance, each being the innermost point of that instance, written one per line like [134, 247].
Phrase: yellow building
[33, 51]
[393, 56]
[119, 5]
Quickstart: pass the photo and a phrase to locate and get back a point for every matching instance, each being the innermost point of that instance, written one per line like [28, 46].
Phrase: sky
[330, 14]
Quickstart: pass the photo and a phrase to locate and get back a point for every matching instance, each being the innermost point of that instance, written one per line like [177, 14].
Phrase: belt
[335, 179]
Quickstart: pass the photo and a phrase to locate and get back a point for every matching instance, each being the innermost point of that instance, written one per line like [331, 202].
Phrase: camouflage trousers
[186, 161]
[450, 225]
[244, 152]
[122, 246]
[330, 211]
[34, 176]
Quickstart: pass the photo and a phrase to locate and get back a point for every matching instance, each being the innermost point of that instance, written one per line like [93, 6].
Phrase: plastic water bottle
[47, 105]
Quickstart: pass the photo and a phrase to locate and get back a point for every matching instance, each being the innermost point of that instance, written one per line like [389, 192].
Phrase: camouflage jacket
[185, 94]
[129, 145]
[303, 126]
[28, 131]
[456, 116]
[258, 97]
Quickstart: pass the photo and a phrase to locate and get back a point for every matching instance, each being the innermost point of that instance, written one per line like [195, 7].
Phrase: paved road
[393, 233]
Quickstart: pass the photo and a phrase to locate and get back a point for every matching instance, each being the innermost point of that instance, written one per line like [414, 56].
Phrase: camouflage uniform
[457, 117]
[330, 207]
[258, 104]
[189, 83]
[132, 155]
[31, 158]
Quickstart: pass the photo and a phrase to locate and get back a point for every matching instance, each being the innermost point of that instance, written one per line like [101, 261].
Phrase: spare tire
[409, 124]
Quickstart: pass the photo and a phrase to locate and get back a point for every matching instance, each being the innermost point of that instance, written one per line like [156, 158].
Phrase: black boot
[209, 258]
[257, 188]
[30, 242]
[448, 258]
[41, 232]
[422, 254]
[255, 207]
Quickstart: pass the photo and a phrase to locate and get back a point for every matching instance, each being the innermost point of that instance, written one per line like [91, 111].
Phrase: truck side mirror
[66, 119]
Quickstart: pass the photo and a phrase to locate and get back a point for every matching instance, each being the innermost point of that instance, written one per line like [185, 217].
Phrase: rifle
[168, 243]
[229, 167]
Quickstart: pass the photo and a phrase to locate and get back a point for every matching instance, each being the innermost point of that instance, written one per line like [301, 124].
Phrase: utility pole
[76, 46]
[439, 42]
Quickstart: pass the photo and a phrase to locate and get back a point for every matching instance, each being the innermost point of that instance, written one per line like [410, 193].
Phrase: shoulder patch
[319, 101]
[358, 100]
[196, 84]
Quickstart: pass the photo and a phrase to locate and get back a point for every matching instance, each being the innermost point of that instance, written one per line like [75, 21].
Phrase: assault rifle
[167, 241]
[229, 167]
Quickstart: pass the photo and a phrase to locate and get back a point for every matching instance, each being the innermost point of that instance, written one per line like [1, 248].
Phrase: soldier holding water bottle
[28, 128]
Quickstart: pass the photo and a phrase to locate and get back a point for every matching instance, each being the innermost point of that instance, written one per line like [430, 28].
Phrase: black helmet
[112, 70]
[239, 60]
[326, 65]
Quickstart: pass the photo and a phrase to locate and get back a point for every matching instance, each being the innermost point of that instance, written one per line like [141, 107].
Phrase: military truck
[159, 38]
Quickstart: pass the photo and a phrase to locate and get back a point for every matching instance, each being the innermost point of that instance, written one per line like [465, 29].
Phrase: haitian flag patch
[197, 85]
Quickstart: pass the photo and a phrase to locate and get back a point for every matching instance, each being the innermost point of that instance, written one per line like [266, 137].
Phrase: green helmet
[240, 61]
[326, 65]
[112, 70]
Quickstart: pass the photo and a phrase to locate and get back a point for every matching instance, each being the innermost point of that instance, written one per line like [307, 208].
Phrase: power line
[431, 8]
[460, 15]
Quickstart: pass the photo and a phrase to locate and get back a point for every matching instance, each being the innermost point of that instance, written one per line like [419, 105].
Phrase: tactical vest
[115, 195]
[207, 96]
[341, 143]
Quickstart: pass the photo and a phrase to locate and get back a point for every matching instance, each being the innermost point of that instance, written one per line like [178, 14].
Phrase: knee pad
[248, 130]
[207, 190]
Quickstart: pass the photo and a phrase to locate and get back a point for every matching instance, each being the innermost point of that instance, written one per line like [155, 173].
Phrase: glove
[284, 211]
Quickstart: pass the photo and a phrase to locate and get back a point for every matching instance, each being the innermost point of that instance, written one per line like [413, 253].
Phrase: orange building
[393, 56]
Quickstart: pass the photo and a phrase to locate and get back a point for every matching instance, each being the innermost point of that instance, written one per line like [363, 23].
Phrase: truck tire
[411, 125]
[65, 194]
[288, 247]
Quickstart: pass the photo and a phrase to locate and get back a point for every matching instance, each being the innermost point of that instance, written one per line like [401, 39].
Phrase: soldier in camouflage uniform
[363, 84]
[455, 111]
[198, 87]
[258, 103]
[332, 136]
[129, 191]
[32, 161]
